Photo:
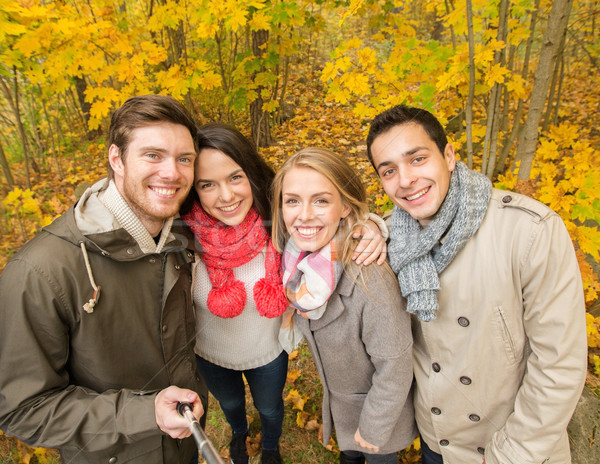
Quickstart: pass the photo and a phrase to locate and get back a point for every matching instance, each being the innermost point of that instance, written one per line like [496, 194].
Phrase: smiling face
[223, 187]
[311, 208]
[157, 173]
[413, 171]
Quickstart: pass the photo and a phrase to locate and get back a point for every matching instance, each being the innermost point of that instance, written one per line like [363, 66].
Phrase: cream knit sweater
[243, 342]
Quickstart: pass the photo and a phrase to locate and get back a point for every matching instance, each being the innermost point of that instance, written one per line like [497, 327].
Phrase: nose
[226, 193]
[306, 211]
[406, 177]
[169, 169]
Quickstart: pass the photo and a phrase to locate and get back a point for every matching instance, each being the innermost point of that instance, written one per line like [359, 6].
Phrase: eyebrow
[312, 196]
[410, 152]
[233, 173]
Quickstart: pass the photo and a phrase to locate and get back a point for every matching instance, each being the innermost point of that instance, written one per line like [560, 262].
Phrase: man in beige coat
[493, 284]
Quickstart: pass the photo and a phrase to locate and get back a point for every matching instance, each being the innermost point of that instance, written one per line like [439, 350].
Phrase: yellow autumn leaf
[28, 44]
[357, 83]
[260, 21]
[211, 80]
[293, 375]
[367, 58]
[296, 399]
[516, 86]
[354, 7]
[496, 74]
[301, 417]
[329, 72]
[237, 19]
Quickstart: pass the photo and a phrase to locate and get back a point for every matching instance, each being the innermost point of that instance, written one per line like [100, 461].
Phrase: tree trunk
[14, 105]
[6, 168]
[470, 98]
[493, 110]
[260, 120]
[80, 88]
[514, 133]
[557, 23]
[552, 105]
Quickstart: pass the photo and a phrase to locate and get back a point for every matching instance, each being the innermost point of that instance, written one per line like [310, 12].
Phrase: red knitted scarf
[227, 247]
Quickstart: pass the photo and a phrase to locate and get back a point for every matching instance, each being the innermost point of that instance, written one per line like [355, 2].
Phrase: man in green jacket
[96, 319]
[492, 282]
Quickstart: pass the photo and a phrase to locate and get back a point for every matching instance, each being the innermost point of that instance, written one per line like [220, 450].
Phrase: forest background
[514, 82]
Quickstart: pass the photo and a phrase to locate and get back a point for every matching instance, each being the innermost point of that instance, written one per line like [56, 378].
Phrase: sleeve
[39, 404]
[387, 337]
[554, 321]
[383, 227]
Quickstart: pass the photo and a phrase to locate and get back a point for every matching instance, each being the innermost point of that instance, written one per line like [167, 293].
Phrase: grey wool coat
[362, 346]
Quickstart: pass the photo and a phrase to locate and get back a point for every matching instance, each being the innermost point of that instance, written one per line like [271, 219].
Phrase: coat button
[506, 199]
[164, 328]
[152, 260]
[465, 380]
[474, 417]
[444, 442]
[189, 254]
[112, 460]
[481, 450]
[436, 411]
[130, 251]
[436, 367]
[463, 321]
[177, 266]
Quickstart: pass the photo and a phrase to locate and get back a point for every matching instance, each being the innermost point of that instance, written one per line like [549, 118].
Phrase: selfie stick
[209, 453]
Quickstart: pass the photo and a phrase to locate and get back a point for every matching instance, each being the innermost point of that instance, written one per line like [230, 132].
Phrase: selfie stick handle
[205, 446]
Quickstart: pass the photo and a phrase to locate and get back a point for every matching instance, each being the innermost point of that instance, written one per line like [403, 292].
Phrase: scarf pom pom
[269, 298]
[228, 301]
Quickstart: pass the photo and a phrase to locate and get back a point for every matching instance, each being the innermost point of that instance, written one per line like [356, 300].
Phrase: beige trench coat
[500, 371]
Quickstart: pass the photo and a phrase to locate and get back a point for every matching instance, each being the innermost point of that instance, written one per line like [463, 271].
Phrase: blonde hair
[346, 182]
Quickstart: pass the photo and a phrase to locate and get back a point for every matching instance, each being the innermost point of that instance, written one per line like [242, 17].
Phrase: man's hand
[165, 410]
[371, 247]
[360, 441]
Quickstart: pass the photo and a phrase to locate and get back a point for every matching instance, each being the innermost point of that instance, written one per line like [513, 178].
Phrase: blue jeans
[391, 458]
[430, 457]
[266, 386]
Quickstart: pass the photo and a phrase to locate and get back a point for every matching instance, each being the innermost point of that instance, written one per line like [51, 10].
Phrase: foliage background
[306, 72]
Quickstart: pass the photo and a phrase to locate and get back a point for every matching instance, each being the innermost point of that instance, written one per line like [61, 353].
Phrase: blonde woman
[350, 315]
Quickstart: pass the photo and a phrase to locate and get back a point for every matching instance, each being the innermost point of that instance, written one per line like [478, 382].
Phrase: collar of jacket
[335, 307]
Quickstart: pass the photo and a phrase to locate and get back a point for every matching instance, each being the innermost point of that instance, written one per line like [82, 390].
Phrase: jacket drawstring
[89, 306]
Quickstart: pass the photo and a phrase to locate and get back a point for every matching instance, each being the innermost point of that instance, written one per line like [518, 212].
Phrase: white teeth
[227, 209]
[164, 190]
[308, 231]
[418, 194]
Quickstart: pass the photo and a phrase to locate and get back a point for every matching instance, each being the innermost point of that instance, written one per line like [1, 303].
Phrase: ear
[450, 157]
[345, 210]
[115, 160]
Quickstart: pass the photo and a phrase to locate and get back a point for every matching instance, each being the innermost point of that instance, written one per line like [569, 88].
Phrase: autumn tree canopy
[513, 81]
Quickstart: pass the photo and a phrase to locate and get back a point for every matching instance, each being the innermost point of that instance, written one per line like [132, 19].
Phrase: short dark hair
[234, 144]
[401, 114]
[142, 111]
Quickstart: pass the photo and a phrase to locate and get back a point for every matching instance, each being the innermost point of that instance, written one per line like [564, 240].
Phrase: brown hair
[141, 111]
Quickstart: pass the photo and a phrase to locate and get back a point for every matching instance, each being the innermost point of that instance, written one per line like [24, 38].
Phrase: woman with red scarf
[237, 289]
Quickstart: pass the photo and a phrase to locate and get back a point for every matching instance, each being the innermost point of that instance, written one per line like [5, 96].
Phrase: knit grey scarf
[416, 254]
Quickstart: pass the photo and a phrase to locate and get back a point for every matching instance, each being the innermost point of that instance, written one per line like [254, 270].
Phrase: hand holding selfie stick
[205, 446]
